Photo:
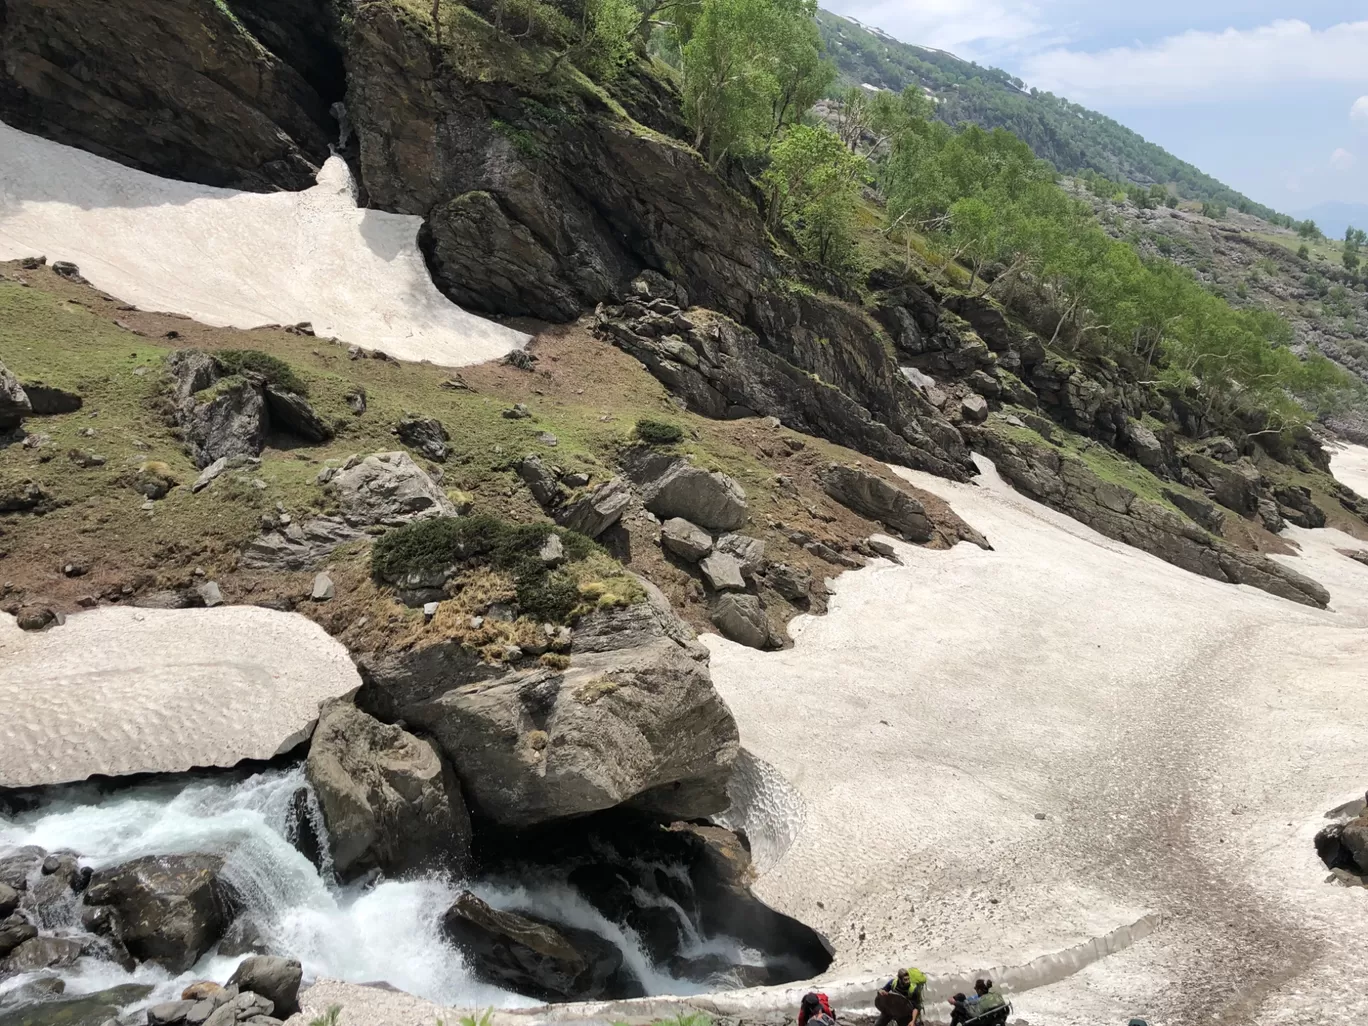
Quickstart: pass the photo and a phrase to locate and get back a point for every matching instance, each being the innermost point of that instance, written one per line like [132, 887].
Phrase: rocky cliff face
[180, 90]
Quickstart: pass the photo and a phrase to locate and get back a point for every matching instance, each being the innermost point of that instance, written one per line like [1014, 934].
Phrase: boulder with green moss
[633, 718]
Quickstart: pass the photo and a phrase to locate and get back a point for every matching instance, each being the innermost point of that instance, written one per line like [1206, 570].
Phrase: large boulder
[1234, 485]
[872, 496]
[171, 908]
[230, 422]
[1144, 445]
[223, 415]
[535, 957]
[389, 489]
[14, 931]
[1354, 837]
[426, 435]
[292, 414]
[676, 488]
[276, 979]
[634, 718]
[597, 510]
[742, 619]
[390, 800]
[687, 541]
[14, 402]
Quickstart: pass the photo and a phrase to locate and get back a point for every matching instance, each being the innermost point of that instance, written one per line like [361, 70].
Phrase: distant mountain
[1333, 218]
[1069, 136]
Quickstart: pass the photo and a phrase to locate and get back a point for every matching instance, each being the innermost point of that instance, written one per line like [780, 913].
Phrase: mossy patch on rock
[545, 593]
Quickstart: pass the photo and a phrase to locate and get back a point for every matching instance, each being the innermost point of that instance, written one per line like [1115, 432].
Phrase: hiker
[816, 1010]
[900, 999]
[991, 1008]
[959, 1010]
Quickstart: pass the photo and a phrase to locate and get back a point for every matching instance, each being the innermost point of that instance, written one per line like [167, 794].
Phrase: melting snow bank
[1006, 754]
[238, 258]
[123, 690]
[1349, 466]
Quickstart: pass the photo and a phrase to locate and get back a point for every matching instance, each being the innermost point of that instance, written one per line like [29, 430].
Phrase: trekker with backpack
[900, 999]
[816, 1010]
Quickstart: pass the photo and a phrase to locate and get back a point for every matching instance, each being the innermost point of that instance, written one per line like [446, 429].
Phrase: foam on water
[389, 933]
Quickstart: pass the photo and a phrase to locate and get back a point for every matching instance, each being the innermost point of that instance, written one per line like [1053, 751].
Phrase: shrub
[431, 546]
[658, 432]
[272, 368]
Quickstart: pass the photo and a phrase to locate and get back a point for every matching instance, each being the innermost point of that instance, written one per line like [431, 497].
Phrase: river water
[389, 932]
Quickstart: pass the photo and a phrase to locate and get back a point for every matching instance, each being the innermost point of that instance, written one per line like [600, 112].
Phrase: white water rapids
[388, 933]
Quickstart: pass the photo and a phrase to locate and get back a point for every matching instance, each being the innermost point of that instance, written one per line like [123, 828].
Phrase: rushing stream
[389, 932]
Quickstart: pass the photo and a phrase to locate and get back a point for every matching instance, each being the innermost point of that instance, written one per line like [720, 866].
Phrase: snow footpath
[238, 259]
[1011, 753]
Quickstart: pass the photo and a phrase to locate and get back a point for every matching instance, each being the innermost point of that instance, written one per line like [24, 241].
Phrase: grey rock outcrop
[234, 420]
[532, 956]
[857, 397]
[292, 414]
[1234, 485]
[192, 93]
[274, 978]
[390, 800]
[1145, 445]
[425, 434]
[231, 423]
[597, 510]
[635, 718]
[1202, 512]
[722, 572]
[1066, 483]
[872, 496]
[298, 546]
[687, 541]
[747, 551]
[742, 619]
[14, 402]
[792, 582]
[387, 489]
[672, 487]
[172, 908]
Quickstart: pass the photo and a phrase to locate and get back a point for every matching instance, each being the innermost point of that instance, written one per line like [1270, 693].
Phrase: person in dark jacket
[814, 1007]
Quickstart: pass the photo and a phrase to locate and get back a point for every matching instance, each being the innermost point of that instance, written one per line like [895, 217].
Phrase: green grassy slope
[1069, 136]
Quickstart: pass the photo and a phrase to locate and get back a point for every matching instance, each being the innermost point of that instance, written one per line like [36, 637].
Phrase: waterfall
[389, 932]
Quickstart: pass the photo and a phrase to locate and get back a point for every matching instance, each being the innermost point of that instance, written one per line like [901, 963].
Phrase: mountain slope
[1069, 136]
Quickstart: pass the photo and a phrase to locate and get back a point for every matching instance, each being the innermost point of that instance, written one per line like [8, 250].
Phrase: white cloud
[1359, 111]
[1200, 65]
[964, 27]
[1342, 159]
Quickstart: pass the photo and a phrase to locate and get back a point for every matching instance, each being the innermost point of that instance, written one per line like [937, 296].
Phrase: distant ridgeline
[1070, 137]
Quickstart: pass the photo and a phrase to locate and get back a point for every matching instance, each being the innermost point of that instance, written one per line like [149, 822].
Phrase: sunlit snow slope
[237, 258]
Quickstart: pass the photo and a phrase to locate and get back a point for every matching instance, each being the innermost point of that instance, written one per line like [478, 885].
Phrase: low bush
[432, 546]
[658, 432]
[272, 368]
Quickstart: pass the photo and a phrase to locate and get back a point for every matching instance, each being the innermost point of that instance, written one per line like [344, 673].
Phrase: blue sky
[1259, 93]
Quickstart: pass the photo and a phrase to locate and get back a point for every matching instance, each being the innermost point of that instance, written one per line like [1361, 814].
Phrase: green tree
[813, 184]
[1354, 241]
[1308, 230]
[750, 68]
